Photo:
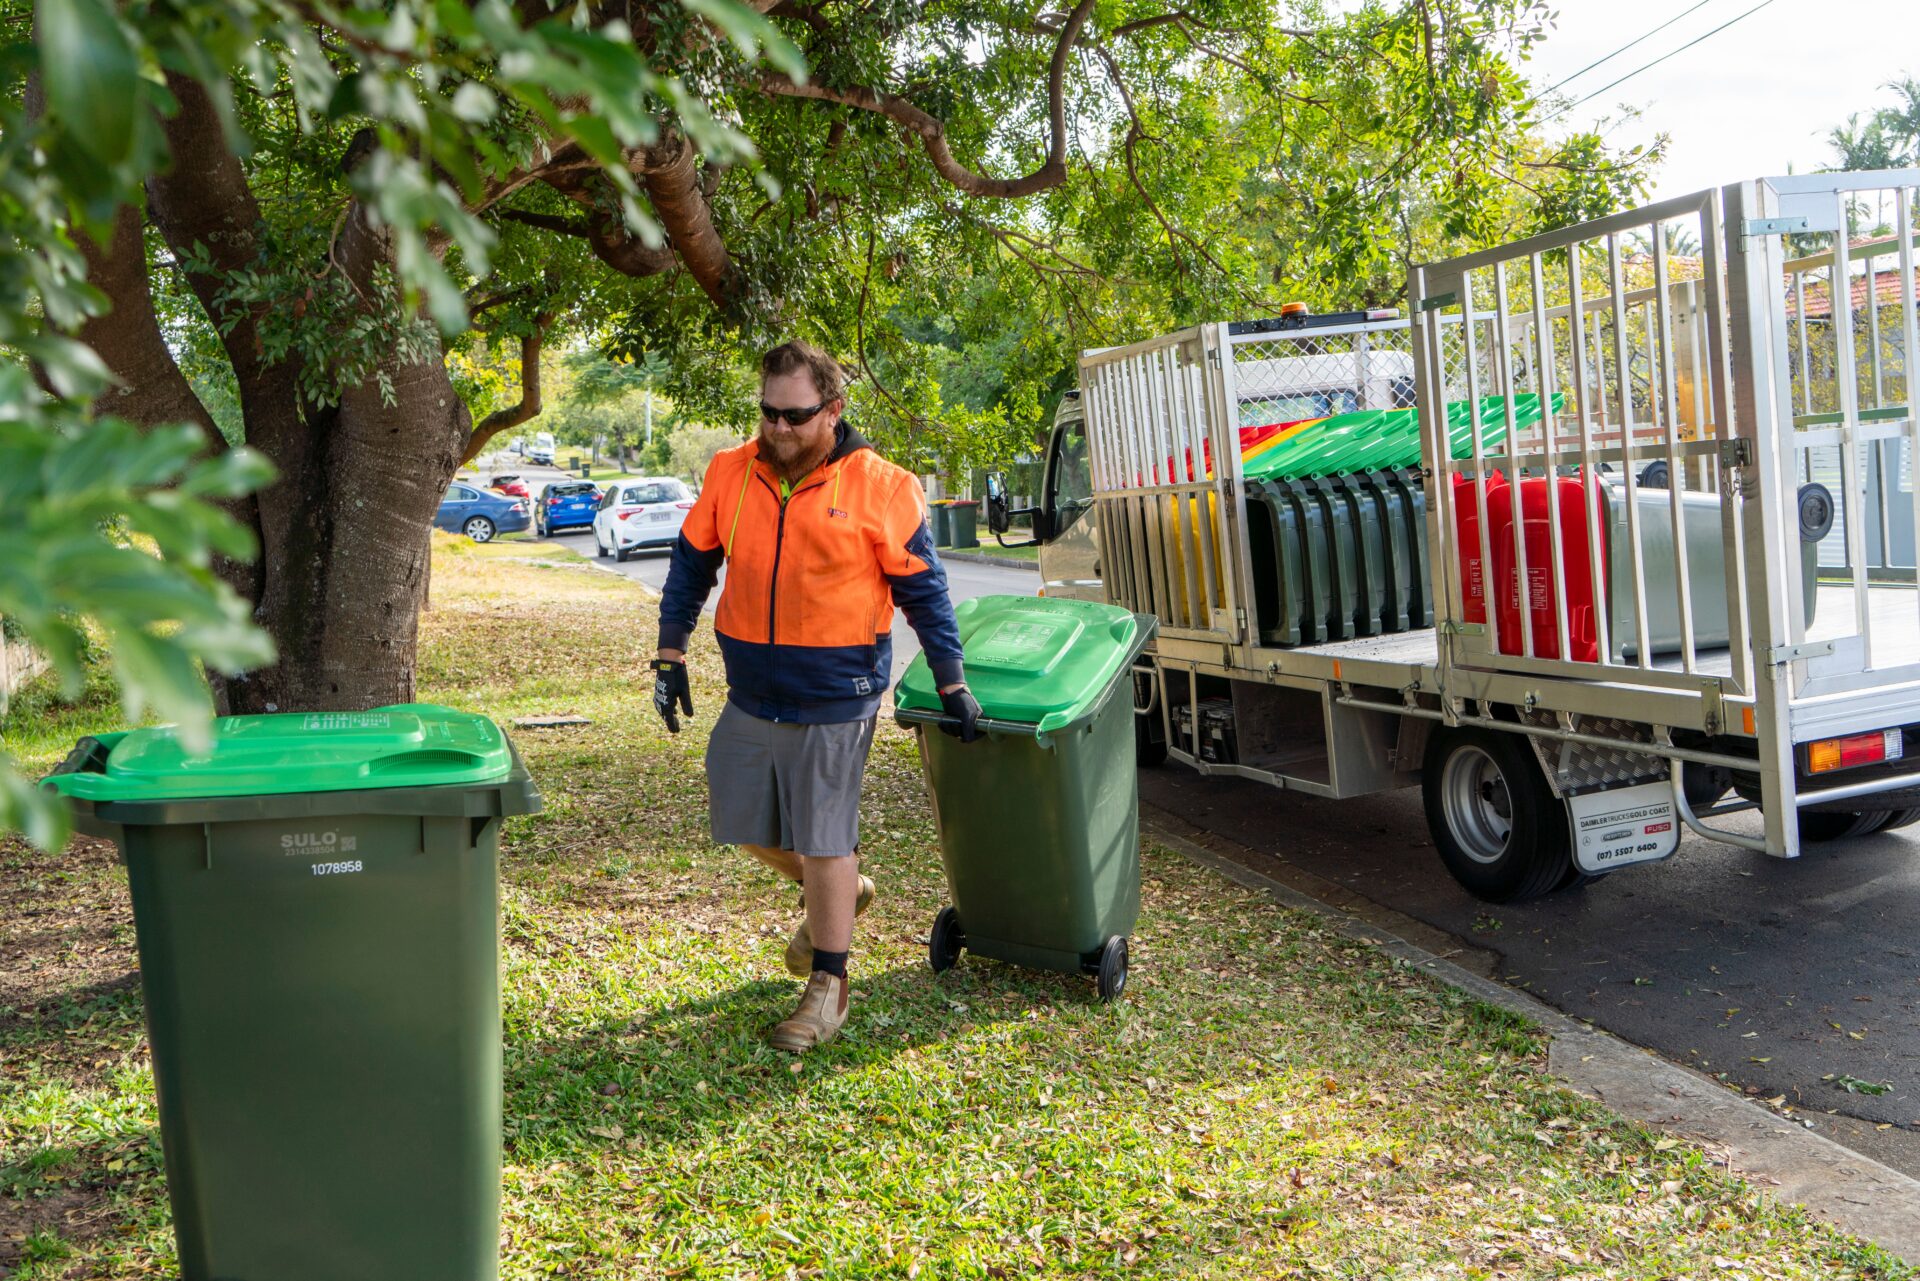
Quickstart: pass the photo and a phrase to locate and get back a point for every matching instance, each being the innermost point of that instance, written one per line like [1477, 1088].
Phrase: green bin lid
[407, 745]
[1031, 659]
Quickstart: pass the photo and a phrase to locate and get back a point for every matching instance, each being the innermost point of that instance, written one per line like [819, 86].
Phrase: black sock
[834, 963]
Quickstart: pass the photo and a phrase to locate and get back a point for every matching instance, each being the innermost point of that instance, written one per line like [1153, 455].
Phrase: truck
[1655, 421]
[541, 450]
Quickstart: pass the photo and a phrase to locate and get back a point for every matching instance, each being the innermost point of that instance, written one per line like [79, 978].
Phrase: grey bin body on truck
[1706, 569]
[1038, 819]
[316, 904]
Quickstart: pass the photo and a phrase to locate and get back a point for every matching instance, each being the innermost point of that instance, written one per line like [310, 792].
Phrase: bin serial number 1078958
[336, 869]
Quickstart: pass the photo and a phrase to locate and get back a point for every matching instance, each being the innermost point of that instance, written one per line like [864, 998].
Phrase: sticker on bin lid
[407, 745]
[1024, 642]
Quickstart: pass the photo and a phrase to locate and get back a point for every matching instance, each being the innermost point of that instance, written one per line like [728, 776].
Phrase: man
[820, 537]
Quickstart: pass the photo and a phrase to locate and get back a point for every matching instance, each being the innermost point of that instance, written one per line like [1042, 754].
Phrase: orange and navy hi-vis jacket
[806, 617]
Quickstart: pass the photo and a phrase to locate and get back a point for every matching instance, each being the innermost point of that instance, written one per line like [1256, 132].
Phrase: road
[1786, 977]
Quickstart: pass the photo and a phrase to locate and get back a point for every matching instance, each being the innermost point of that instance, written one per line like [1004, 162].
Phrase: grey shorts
[791, 787]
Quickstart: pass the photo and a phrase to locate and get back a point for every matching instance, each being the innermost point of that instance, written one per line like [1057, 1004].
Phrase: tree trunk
[344, 546]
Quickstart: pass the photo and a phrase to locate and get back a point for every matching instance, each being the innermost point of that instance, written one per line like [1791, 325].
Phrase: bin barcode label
[346, 720]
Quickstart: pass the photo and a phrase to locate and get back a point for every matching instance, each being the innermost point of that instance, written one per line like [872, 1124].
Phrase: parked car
[509, 483]
[642, 513]
[480, 514]
[564, 505]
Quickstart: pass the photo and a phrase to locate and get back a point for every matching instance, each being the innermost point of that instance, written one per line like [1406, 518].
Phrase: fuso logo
[1658, 827]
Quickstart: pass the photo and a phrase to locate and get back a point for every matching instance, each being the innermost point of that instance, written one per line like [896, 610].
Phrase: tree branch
[152, 389]
[203, 202]
[605, 232]
[933, 134]
[672, 180]
[513, 415]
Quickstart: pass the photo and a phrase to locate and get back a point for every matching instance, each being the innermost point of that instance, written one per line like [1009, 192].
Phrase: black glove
[670, 687]
[959, 705]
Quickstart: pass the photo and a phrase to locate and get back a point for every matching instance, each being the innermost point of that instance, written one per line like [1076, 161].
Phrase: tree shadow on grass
[694, 1066]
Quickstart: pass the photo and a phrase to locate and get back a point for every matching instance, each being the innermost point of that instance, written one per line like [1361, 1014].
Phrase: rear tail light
[1830, 754]
[685, 507]
[624, 515]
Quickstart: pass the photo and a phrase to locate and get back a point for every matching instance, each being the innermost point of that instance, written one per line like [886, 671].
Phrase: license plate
[659, 516]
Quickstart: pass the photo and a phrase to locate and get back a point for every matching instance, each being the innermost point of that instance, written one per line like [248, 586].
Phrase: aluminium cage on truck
[1688, 367]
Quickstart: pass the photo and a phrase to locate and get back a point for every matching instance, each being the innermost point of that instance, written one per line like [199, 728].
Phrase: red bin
[1576, 578]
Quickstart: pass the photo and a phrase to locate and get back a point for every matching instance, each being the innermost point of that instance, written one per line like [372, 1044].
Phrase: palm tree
[1901, 124]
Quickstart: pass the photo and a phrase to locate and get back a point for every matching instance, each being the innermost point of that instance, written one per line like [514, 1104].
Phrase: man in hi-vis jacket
[821, 537]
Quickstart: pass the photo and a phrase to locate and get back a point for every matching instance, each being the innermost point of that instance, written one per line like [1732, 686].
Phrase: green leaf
[91, 74]
[752, 34]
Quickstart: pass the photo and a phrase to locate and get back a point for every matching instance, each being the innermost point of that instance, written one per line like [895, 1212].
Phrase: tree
[313, 198]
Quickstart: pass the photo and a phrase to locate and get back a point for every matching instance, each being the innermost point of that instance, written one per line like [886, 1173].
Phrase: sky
[1752, 101]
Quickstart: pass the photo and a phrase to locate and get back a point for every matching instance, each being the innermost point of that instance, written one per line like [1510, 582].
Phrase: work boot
[823, 1008]
[800, 946]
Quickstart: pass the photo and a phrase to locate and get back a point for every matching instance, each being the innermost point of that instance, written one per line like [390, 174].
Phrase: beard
[795, 453]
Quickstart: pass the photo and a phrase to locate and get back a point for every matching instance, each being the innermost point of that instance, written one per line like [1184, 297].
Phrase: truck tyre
[1499, 828]
[1897, 819]
[1840, 825]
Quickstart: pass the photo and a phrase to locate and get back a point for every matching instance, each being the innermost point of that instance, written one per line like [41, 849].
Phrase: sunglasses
[793, 417]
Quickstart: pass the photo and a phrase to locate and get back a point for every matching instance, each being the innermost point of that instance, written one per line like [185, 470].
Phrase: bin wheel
[943, 946]
[1112, 979]
[1499, 828]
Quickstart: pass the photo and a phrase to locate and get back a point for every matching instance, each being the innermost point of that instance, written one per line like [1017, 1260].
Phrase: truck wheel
[1841, 825]
[1900, 818]
[1499, 828]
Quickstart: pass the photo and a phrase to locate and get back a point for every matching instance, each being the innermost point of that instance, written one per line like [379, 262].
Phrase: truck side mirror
[999, 516]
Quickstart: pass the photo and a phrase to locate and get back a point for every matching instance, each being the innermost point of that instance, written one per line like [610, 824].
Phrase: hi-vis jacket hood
[805, 619]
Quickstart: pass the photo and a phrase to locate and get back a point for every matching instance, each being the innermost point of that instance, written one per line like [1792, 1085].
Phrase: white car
[639, 514]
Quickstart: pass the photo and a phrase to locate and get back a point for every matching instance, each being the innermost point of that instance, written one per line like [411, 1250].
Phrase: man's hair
[791, 357]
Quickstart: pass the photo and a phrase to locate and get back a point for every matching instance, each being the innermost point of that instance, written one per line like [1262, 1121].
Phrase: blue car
[565, 504]
[480, 514]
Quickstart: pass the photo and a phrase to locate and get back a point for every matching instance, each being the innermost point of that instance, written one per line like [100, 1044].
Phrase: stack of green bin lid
[1384, 439]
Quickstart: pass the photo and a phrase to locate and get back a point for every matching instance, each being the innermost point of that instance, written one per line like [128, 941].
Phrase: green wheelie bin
[1038, 821]
[316, 905]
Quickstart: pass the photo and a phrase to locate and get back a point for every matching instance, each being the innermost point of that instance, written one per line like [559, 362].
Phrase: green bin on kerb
[316, 900]
[1040, 820]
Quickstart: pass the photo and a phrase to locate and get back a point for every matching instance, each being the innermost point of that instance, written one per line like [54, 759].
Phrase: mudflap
[1623, 826]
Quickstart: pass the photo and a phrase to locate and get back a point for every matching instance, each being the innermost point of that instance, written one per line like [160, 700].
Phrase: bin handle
[986, 724]
[89, 756]
[451, 756]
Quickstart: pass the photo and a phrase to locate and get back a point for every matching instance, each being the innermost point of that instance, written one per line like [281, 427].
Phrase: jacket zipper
[773, 584]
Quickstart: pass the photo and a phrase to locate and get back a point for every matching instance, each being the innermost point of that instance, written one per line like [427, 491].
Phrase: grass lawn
[1269, 1101]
